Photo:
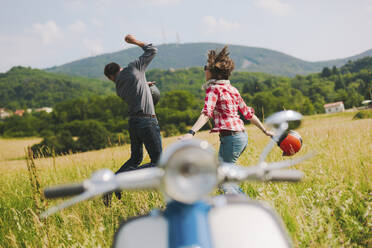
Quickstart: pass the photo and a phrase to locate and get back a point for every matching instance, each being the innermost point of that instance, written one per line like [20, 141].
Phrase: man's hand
[151, 83]
[132, 40]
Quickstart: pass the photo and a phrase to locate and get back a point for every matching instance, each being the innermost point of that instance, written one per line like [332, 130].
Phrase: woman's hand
[268, 133]
[186, 136]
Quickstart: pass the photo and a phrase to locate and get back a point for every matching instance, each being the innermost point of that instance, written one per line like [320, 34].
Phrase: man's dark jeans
[142, 131]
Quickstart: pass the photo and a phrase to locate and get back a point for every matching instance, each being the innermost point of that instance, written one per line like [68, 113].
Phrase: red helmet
[290, 142]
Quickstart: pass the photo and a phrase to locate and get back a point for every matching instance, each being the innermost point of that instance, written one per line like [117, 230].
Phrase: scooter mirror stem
[149, 178]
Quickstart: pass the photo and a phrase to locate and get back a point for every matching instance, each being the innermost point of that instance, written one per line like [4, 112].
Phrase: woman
[222, 103]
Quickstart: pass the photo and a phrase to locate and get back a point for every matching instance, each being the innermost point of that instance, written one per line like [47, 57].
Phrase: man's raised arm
[150, 51]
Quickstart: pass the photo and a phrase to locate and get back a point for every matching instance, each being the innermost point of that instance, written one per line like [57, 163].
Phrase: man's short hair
[111, 69]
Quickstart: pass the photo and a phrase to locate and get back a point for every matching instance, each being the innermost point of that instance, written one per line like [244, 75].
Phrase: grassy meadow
[331, 207]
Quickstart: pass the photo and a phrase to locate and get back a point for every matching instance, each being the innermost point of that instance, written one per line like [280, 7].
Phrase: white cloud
[213, 25]
[48, 32]
[275, 6]
[78, 26]
[97, 22]
[94, 46]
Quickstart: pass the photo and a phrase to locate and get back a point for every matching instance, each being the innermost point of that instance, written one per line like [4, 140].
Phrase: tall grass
[331, 207]
[13, 149]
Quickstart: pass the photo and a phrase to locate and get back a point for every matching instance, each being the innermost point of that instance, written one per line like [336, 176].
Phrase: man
[132, 87]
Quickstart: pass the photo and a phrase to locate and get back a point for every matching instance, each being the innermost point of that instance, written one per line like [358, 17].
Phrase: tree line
[23, 87]
[94, 122]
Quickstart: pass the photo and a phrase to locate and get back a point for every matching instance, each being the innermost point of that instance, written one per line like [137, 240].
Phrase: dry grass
[11, 149]
[330, 208]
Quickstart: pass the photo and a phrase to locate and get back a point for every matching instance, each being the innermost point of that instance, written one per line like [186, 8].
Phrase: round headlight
[190, 170]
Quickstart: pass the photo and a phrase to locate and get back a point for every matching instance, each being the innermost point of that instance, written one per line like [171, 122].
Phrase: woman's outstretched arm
[255, 121]
[196, 127]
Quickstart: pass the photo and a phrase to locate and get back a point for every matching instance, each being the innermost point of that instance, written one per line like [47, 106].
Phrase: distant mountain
[187, 55]
[23, 87]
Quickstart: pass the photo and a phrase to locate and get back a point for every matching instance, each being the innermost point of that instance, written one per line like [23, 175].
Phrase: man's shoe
[118, 194]
[126, 168]
[107, 199]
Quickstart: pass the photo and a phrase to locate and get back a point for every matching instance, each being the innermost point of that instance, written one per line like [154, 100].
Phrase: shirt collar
[215, 81]
[117, 74]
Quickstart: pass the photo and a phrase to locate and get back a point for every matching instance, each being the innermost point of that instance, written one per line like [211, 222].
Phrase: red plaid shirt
[222, 102]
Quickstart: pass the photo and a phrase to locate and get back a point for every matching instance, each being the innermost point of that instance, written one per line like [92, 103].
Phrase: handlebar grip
[64, 190]
[284, 175]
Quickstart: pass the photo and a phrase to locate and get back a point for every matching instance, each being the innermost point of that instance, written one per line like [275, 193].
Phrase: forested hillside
[23, 87]
[100, 121]
[251, 59]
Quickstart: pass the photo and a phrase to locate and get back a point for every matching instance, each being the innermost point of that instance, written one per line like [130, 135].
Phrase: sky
[45, 33]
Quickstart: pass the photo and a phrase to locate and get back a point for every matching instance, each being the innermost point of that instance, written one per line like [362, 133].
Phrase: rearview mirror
[291, 117]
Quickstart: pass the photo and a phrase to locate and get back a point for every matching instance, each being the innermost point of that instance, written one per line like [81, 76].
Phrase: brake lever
[82, 197]
[235, 173]
[92, 189]
[104, 181]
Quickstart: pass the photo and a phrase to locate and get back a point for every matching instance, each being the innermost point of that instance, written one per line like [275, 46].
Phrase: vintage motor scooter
[187, 173]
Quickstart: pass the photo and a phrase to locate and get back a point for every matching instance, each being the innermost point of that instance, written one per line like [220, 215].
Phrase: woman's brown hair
[220, 64]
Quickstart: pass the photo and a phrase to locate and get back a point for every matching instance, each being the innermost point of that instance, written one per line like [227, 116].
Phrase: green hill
[176, 56]
[23, 87]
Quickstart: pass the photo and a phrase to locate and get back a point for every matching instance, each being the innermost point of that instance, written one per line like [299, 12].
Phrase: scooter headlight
[190, 170]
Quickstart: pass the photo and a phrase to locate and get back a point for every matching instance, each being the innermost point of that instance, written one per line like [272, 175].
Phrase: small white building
[4, 113]
[45, 109]
[367, 103]
[334, 107]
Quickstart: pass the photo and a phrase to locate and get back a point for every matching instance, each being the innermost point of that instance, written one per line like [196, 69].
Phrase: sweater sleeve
[145, 59]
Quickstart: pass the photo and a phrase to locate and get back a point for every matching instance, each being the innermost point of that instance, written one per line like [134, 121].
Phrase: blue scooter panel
[180, 226]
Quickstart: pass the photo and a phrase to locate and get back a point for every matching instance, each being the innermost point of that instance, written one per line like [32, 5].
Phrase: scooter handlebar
[284, 175]
[64, 190]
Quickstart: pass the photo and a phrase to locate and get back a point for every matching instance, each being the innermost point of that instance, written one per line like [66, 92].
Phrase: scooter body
[230, 220]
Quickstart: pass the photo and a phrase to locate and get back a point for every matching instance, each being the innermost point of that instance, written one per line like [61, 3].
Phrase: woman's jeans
[231, 147]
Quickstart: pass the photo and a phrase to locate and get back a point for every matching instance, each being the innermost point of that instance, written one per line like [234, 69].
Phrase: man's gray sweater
[131, 84]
